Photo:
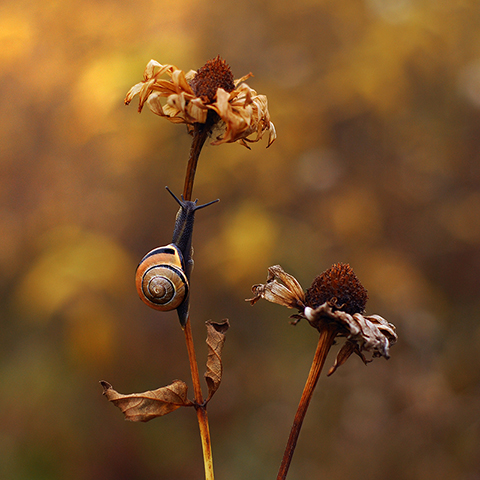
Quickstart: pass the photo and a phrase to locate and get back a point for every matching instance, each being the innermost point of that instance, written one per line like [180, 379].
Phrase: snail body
[163, 274]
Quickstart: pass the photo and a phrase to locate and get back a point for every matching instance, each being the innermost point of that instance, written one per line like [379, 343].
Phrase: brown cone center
[338, 285]
[213, 75]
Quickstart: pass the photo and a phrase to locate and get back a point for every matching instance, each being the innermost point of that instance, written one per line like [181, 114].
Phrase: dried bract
[363, 333]
[281, 288]
[189, 97]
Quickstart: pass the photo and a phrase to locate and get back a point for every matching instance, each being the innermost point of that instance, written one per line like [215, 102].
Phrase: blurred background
[376, 164]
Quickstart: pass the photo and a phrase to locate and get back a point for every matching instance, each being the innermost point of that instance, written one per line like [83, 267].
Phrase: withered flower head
[335, 299]
[191, 96]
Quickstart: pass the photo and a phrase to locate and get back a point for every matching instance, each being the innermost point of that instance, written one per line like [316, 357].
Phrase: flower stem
[200, 134]
[201, 409]
[201, 131]
[325, 341]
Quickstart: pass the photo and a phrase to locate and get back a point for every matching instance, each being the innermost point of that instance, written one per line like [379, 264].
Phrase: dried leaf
[215, 340]
[142, 407]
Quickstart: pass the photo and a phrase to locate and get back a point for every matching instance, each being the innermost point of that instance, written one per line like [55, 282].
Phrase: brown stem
[202, 418]
[201, 131]
[200, 134]
[201, 409]
[327, 337]
[197, 389]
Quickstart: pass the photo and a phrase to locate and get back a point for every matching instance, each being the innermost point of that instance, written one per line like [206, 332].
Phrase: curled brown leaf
[215, 340]
[142, 407]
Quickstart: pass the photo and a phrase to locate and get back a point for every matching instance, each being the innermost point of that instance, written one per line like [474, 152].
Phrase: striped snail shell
[160, 280]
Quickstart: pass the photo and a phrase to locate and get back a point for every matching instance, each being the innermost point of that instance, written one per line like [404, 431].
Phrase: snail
[163, 274]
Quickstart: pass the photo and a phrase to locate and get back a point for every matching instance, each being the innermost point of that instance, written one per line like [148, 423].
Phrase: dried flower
[191, 96]
[336, 298]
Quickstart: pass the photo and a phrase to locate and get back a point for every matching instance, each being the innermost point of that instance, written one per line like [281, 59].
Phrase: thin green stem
[325, 341]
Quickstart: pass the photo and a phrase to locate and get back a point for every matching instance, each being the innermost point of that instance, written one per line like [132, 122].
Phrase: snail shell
[160, 280]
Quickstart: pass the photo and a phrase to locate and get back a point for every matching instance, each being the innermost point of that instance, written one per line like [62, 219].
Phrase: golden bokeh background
[376, 164]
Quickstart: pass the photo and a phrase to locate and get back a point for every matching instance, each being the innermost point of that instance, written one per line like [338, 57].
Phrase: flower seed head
[339, 286]
[213, 75]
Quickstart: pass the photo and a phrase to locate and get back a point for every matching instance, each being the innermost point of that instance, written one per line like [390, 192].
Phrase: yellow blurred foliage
[16, 35]
[71, 263]
[392, 277]
[375, 71]
[90, 333]
[100, 88]
[245, 244]
[355, 213]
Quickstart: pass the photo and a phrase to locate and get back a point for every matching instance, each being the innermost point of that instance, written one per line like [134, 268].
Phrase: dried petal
[344, 354]
[281, 288]
[215, 340]
[142, 407]
[244, 113]
[370, 333]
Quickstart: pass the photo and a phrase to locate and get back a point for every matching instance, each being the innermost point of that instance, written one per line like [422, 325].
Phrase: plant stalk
[200, 408]
[201, 131]
[200, 134]
[325, 342]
